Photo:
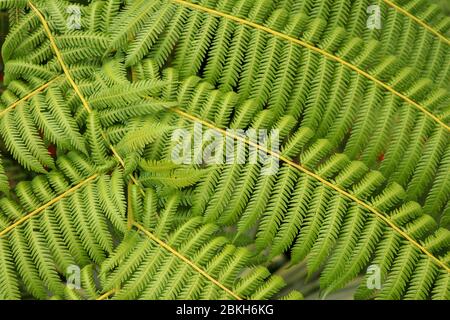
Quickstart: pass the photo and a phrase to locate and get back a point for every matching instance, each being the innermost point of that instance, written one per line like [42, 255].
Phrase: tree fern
[360, 115]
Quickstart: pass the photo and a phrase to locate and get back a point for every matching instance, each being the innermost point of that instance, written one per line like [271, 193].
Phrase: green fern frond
[8, 4]
[4, 184]
[149, 272]
[66, 225]
[358, 175]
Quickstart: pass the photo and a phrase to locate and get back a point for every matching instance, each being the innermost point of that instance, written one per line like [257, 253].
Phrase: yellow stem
[417, 20]
[186, 260]
[107, 294]
[315, 49]
[47, 205]
[59, 56]
[28, 96]
[317, 177]
[72, 82]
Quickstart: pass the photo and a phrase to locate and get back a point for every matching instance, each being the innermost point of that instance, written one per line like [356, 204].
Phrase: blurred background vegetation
[444, 4]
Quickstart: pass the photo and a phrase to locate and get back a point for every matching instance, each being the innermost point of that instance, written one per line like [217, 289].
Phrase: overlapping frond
[32, 122]
[359, 181]
[373, 133]
[212, 268]
[4, 184]
[60, 220]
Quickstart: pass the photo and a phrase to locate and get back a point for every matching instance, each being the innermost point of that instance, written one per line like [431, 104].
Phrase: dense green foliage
[363, 120]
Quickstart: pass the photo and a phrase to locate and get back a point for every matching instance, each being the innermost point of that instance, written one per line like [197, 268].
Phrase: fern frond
[357, 180]
[8, 4]
[148, 267]
[59, 230]
[4, 184]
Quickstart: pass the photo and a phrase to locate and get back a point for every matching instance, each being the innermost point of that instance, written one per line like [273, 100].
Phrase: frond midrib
[317, 50]
[418, 21]
[362, 203]
[47, 205]
[29, 95]
[381, 216]
[174, 252]
[69, 77]
[346, 194]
